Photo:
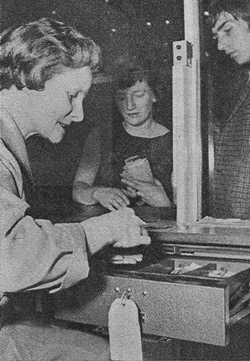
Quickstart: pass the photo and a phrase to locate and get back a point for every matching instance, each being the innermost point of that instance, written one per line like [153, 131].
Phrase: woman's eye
[120, 97]
[140, 94]
[227, 31]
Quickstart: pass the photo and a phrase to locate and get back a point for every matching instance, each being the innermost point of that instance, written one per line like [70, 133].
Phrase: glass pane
[125, 30]
[223, 92]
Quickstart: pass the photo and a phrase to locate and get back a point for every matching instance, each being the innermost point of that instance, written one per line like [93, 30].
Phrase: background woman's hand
[111, 198]
[152, 194]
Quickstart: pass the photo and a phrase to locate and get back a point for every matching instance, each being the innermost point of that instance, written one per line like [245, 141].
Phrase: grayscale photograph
[124, 180]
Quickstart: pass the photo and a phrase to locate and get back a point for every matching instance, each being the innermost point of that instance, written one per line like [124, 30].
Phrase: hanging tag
[124, 331]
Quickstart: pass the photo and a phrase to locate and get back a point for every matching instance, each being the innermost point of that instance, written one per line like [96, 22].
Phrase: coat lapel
[14, 141]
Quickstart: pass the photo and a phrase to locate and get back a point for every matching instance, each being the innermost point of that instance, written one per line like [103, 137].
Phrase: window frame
[187, 145]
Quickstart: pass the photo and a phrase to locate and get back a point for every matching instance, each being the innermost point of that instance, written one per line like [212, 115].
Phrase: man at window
[231, 29]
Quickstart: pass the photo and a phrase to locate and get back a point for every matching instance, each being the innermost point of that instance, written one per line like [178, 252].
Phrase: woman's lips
[64, 125]
[132, 115]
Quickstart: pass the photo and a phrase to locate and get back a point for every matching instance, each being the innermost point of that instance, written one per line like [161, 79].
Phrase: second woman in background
[100, 177]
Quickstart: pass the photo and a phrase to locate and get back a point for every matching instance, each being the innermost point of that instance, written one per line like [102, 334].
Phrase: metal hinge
[183, 53]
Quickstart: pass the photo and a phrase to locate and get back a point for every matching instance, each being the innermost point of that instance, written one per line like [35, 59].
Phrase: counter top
[56, 204]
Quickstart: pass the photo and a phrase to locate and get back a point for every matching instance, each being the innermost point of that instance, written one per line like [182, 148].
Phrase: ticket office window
[124, 29]
[178, 38]
[164, 31]
[152, 27]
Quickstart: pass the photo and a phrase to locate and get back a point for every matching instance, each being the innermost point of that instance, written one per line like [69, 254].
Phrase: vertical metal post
[186, 119]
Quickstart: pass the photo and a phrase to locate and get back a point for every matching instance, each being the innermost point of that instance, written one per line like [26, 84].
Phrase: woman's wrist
[83, 193]
[93, 195]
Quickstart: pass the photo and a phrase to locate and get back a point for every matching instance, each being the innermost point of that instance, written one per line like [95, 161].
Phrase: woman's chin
[56, 137]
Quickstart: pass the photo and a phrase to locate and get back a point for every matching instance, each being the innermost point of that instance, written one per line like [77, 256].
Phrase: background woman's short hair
[127, 75]
[32, 53]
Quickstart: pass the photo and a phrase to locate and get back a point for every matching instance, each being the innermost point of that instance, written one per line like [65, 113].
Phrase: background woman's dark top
[157, 150]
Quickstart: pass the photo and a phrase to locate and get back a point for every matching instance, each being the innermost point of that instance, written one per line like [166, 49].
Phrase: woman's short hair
[33, 53]
[126, 76]
[237, 8]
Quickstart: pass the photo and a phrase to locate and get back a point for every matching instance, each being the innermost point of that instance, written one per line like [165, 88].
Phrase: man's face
[233, 36]
[135, 103]
[59, 104]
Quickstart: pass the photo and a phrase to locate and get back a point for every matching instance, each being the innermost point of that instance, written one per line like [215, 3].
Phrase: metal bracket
[183, 53]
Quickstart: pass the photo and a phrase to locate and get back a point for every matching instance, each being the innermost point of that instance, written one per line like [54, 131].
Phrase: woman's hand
[121, 228]
[129, 229]
[152, 194]
[111, 198]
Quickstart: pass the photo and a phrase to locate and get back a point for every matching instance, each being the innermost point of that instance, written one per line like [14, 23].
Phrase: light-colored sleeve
[83, 185]
[35, 254]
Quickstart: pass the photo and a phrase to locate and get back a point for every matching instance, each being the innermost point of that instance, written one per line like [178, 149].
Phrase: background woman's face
[60, 103]
[135, 103]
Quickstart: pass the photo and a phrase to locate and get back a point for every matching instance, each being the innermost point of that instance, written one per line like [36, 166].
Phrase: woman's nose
[130, 103]
[77, 113]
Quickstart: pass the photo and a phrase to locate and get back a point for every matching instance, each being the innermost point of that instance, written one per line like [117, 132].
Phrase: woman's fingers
[130, 183]
[111, 198]
[121, 197]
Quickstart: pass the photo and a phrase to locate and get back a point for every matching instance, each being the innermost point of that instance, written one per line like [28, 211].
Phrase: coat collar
[14, 141]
